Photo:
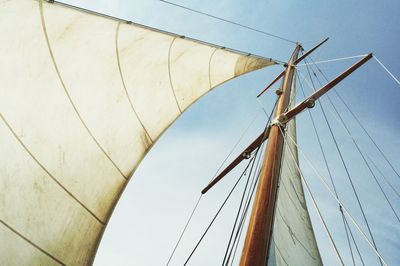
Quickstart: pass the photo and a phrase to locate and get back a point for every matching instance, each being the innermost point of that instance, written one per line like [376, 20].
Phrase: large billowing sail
[293, 240]
[83, 98]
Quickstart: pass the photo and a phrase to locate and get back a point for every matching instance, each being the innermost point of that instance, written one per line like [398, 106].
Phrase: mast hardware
[294, 63]
[310, 101]
[246, 154]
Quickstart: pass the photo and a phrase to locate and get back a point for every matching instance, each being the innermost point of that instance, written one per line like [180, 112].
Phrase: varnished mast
[259, 232]
[258, 238]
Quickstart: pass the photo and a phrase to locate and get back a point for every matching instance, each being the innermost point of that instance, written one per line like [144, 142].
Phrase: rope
[346, 169]
[248, 199]
[313, 200]
[332, 60]
[219, 210]
[329, 171]
[363, 128]
[355, 243]
[339, 119]
[200, 197]
[387, 70]
[223, 204]
[239, 211]
[228, 21]
[343, 161]
[244, 214]
[322, 178]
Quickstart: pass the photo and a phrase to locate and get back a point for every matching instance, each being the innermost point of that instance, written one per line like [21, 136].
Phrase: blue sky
[157, 202]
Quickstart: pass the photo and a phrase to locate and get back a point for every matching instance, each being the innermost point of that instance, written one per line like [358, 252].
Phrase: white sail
[83, 98]
[293, 240]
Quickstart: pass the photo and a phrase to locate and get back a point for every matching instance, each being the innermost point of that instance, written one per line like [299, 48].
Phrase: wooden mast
[256, 246]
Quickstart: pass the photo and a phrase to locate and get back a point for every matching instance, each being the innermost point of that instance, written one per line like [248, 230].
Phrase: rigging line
[219, 210]
[328, 168]
[345, 166]
[240, 208]
[376, 146]
[342, 160]
[354, 241]
[228, 21]
[249, 196]
[244, 214]
[360, 124]
[387, 70]
[364, 159]
[347, 236]
[265, 130]
[322, 178]
[339, 119]
[199, 199]
[312, 199]
[332, 60]
[184, 229]
[262, 106]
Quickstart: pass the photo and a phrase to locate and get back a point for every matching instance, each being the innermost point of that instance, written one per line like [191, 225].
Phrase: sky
[159, 198]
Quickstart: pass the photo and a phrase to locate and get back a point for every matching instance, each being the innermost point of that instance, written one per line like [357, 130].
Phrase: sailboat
[85, 97]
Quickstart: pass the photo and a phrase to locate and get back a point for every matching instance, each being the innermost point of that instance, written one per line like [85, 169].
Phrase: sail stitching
[123, 81]
[209, 67]
[47, 171]
[279, 252]
[31, 243]
[294, 235]
[67, 93]
[170, 75]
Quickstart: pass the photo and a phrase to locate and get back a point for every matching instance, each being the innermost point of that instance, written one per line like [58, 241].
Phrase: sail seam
[170, 75]
[30, 242]
[67, 93]
[209, 67]
[279, 252]
[47, 171]
[293, 234]
[123, 81]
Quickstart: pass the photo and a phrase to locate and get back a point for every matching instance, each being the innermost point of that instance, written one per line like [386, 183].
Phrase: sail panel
[145, 69]
[83, 99]
[26, 252]
[83, 45]
[293, 236]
